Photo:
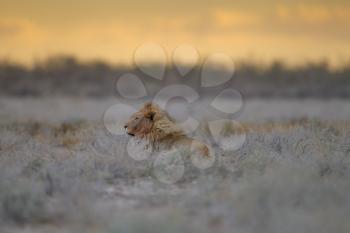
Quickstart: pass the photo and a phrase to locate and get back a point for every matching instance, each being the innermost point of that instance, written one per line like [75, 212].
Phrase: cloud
[313, 14]
[13, 27]
[7, 29]
[20, 30]
[232, 18]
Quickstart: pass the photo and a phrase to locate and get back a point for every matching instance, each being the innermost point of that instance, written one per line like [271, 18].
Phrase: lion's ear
[150, 115]
[149, 112]
[148, 105]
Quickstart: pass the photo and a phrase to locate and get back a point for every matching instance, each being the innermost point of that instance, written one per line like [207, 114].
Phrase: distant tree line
[66, 76]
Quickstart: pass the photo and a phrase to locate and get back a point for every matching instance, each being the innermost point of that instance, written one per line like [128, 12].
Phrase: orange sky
[295, 31]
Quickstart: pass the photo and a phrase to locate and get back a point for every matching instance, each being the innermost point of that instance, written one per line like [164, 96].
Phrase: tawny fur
[154, 125]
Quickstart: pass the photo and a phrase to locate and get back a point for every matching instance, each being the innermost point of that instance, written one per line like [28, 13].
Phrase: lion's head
[152, 123]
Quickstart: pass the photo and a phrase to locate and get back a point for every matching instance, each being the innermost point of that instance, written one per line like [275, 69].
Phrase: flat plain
[62, 171]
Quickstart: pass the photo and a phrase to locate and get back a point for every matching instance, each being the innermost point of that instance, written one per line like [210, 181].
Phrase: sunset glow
[294, 31]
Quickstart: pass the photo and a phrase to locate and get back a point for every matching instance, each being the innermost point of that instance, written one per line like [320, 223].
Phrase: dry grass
[76, 177]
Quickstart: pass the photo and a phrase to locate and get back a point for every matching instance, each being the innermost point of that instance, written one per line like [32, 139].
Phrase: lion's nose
[125, 126]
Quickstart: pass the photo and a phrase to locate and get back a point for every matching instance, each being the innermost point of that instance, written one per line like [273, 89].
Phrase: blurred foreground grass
[76, 177]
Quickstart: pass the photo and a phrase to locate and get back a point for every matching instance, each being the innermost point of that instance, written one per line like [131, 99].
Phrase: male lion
[154, 125]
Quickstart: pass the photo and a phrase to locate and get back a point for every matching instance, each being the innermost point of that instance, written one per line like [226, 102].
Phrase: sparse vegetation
[291, 180]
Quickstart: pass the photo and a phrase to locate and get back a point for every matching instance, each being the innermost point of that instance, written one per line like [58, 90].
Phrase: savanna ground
[62, 171]
[74, 176]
